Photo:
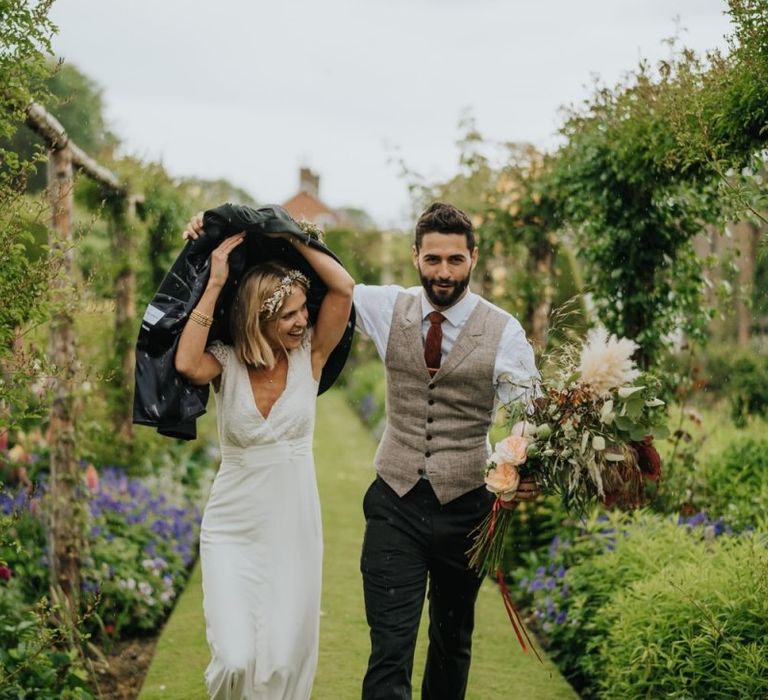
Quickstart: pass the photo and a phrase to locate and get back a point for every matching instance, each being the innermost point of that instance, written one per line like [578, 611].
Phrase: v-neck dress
[261, 539]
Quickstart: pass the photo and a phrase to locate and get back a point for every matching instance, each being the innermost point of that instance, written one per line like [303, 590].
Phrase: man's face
[444, 263]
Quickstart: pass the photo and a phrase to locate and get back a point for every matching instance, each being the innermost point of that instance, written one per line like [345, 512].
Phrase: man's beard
[443, 298]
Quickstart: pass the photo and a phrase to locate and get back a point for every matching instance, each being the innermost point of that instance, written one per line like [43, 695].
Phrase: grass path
[344, 455]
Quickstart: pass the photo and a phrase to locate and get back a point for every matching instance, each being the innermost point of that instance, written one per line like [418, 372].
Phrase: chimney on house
[309, 182]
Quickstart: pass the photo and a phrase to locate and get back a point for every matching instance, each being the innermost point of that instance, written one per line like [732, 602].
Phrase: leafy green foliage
[25, 267]
[33, 663]
[651, 160]
[634, 219]
[748, 390]
[600, 595]
[694, 630]
[741, 375]
[735, 482]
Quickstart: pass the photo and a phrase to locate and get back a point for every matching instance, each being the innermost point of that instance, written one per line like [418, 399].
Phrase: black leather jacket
[163, 399]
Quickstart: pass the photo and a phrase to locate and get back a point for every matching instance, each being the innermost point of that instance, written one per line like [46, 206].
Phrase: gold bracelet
[200, 318]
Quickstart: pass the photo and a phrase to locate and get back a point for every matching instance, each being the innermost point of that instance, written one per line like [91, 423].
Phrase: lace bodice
[292, 416]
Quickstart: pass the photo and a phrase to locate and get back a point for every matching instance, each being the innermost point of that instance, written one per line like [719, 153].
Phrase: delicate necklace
[270, 374]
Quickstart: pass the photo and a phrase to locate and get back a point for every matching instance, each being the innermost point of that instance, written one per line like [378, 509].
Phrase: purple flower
[550, 606]
[89, 587]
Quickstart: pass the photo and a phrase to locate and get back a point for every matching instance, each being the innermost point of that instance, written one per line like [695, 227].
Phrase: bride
[261, 538]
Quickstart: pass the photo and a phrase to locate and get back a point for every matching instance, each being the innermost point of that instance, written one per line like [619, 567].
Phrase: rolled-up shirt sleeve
[515, 373]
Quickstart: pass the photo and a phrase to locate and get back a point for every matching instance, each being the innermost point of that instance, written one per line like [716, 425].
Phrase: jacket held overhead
[163, 399]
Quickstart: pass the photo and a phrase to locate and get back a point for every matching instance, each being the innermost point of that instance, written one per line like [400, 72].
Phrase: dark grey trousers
[412, 542]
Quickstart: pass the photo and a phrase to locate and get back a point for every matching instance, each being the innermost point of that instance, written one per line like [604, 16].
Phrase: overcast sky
[251, 90]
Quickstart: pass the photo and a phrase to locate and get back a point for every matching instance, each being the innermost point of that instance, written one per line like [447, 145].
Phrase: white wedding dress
[261, 539]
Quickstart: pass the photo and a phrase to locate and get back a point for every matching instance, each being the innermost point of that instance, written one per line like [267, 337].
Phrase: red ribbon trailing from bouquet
[514, 615]
[494, 515]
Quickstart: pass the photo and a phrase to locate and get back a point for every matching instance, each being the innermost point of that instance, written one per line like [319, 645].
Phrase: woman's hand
[220, 260]
[194, 228]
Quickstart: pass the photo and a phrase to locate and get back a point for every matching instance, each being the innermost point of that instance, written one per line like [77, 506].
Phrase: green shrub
[695, 629]
[570, 587]
[736, 482]
[365, 387]
[748, 391]
[740, 375]
[35, 659]
[640, 545]
[533, 525]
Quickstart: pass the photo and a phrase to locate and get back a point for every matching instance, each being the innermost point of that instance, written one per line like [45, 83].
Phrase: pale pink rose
[92, 478]
[503, 480]
[511, 450]
[18, 454]
[524, 429]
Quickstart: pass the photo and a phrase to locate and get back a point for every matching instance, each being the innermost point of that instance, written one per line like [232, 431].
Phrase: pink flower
[92, 478]
[18, 454]
[5, 572]
[525, 429]
[503, 480]
[511, 450]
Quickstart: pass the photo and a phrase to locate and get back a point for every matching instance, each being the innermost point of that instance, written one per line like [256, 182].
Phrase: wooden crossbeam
[55, 136]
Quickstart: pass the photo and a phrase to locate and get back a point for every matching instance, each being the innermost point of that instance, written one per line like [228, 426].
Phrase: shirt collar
[457, 314]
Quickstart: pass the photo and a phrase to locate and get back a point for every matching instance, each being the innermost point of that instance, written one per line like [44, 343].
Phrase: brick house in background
[306, 204]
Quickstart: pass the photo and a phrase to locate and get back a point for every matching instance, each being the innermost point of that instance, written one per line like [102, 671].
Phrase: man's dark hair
[444, 218]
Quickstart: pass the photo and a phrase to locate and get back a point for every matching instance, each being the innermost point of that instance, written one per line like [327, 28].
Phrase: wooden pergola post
[66, 531]
[67, 504]
[123, 245]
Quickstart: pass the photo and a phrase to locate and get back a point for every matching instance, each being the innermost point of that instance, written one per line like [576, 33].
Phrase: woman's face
[288, 329]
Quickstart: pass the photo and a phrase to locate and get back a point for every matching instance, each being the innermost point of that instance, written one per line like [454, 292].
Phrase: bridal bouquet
[587, 437]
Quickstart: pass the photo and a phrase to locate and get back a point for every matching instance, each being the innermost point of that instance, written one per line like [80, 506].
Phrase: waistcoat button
[427, 454]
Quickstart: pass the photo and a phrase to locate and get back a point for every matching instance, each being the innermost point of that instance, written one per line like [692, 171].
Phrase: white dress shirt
[515, 375]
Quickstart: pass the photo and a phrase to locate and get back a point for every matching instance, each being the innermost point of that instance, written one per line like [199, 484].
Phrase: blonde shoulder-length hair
[248, 322]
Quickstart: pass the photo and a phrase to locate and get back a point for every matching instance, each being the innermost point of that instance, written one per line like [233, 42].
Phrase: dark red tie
[434, 342]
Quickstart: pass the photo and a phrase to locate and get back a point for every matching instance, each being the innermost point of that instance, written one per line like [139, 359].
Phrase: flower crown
[275, 300]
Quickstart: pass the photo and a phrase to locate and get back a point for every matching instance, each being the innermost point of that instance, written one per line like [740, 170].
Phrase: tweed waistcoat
[438, 426]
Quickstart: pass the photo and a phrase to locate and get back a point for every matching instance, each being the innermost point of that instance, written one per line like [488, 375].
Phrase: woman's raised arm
[191, 360]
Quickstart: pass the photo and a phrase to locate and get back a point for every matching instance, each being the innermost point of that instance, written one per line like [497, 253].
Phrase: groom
[449, 356]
